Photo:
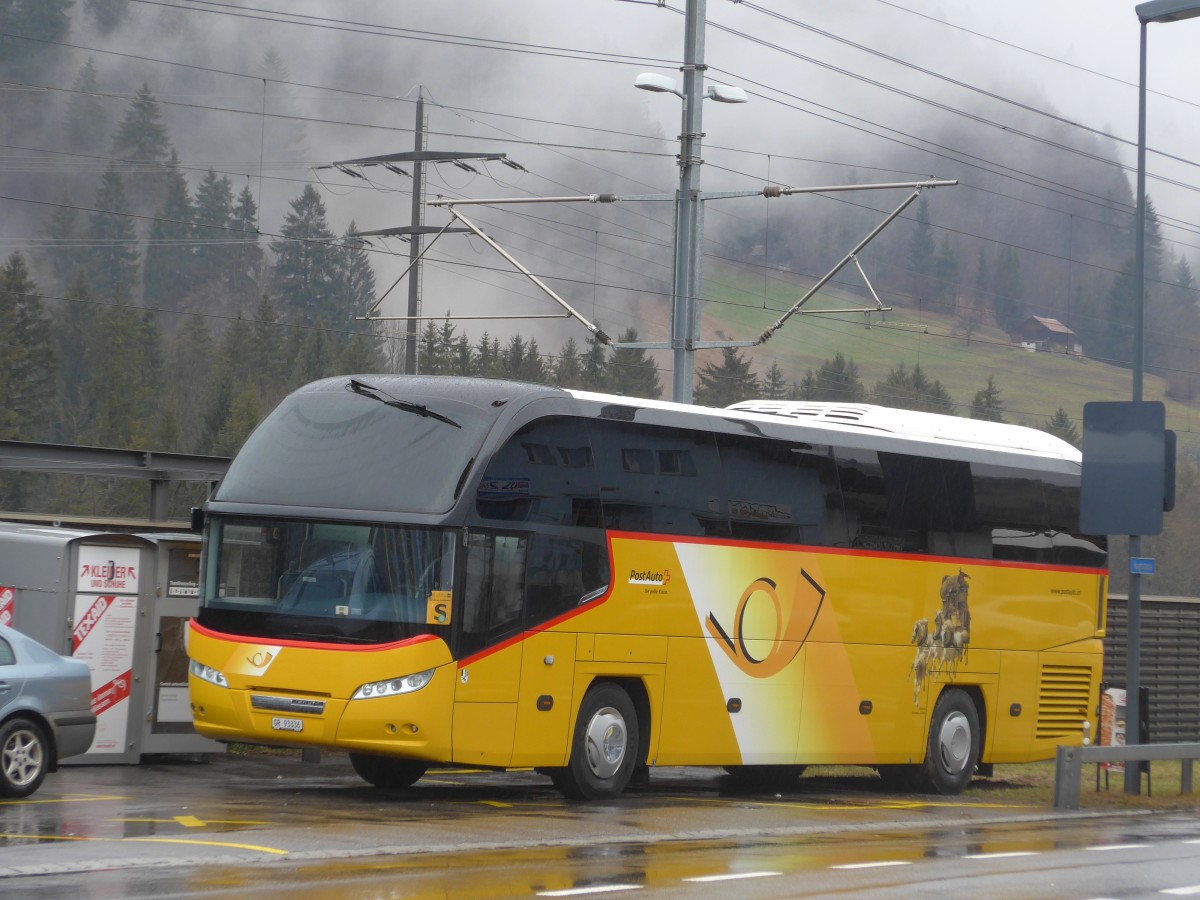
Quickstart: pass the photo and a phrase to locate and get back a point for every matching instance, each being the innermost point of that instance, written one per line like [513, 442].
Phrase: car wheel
[604, 747]
[387, 771]
[24, 757]
[953, 750]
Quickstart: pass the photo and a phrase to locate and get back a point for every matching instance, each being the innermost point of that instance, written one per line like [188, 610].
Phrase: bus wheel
[387, 771]
[604, 747]
[953, 750]
[764, 778]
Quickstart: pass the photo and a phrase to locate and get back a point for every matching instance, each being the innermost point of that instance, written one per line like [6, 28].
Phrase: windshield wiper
[360, 387]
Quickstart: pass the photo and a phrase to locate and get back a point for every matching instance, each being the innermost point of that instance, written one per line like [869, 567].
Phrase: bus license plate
[279, 723]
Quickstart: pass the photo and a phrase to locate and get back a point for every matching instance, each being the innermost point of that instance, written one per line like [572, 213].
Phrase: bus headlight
[405, 684]
[207, 673]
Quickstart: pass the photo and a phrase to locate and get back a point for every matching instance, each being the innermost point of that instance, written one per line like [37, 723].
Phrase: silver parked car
[45, 711]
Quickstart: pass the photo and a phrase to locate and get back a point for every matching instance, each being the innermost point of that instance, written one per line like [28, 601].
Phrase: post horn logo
[794, 619]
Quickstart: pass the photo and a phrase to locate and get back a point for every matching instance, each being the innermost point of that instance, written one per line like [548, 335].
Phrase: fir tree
[631, 372]
[242, 275]
[126, 365]
[430, 350]
[193, 355]
[904, 389]
[86, 125]
[594, 365]
[113, 263]
[774, 383]
[245, 412]
[568, 369]
[361, 354]
[107, 14]
[948, 270]
[170, 260]
[307, 262]
[836, 381]
[921, 246]
[727, 383]
[358, 278]
[1061, 426]
[270, 348]
[1116, 335]
[45, 21]
[142, 136]
[26, 355]
[464, 357]
[1008, 301]
[214, 210]
[316, 358]
[987, 404]
[65, 253]
[75, 332]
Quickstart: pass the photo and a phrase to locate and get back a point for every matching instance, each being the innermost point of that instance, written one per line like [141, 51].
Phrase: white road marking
[1183, 891]
[597, 889]
[702, 879]
[874, 865]
[1117, 847]
[1000, 855]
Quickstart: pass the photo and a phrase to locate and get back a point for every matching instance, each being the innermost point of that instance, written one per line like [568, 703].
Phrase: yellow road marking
[193, 822]
[145, 840]
[496, 803]
[883, 804]
[80, 799]
[157, 840]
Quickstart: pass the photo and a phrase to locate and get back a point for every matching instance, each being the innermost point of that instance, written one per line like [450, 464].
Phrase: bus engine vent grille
[1063, 701]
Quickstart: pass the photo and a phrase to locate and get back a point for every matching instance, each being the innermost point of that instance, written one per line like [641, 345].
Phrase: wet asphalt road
[261, 825]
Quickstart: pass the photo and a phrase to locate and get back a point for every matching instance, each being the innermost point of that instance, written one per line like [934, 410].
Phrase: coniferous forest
[150, 306]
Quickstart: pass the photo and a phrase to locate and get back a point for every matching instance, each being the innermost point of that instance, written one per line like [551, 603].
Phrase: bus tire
[764, 778]
[387, 771]
[953, 749]
[604, 746]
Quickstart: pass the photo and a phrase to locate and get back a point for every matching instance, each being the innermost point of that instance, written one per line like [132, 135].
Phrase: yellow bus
[424, 571]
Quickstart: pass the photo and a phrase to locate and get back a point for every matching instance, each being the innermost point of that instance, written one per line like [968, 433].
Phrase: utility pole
[417, 228]
[414, 242]
[689, 225]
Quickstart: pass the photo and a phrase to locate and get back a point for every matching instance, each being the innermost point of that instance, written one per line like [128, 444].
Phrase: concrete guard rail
[1068, 771]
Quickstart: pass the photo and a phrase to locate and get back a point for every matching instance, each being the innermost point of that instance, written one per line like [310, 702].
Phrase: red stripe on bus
[311, 645]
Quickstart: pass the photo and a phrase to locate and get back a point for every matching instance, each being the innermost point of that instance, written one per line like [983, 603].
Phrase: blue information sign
[1141, 565]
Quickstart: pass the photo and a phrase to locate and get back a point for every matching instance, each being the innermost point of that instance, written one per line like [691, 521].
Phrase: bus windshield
[326, 581]
[351, 446]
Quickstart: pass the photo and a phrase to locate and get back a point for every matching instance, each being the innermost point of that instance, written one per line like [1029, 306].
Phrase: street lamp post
[1153, 11]
[688, 209]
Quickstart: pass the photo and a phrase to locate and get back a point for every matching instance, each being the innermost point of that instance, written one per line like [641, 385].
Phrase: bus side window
[657, 479]
[563, 572]
[493, 590]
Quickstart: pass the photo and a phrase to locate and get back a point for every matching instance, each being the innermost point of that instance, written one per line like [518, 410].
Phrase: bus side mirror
[197, 518]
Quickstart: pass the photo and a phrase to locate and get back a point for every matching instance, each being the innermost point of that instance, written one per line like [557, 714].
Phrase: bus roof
[911, 423]
[865, 418]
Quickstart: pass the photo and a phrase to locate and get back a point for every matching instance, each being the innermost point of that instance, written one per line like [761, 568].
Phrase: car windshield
[341, 582]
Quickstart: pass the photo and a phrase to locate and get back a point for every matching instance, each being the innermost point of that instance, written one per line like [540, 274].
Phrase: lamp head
[724, 93]
[660, 84]
[1167, 10]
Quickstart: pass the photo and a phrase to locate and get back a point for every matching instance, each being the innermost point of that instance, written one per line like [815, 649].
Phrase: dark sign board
[1124, 486]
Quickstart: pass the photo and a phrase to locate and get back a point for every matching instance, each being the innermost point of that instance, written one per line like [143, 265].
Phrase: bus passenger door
[489, 648]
